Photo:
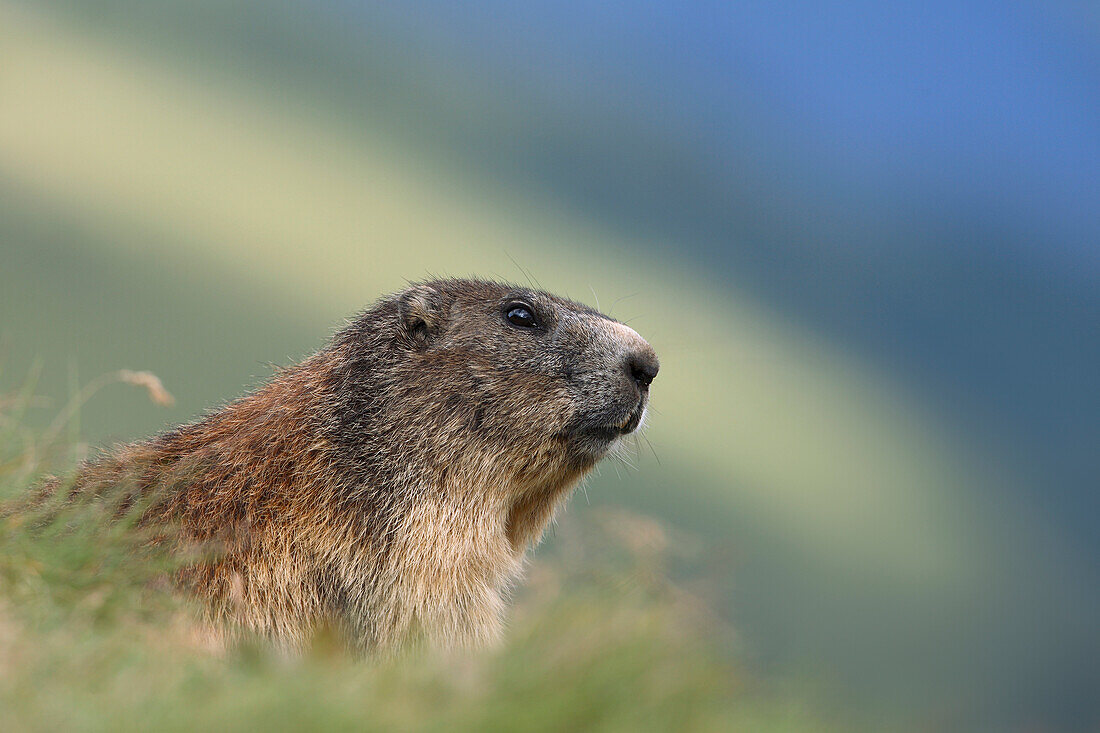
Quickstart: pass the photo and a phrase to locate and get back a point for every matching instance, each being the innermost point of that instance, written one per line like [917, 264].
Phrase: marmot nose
[643, 366]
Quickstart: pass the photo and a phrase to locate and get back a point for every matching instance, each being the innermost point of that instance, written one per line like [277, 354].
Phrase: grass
[91, 638]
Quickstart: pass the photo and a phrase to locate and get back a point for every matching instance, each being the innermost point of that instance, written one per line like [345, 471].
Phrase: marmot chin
[391, 483]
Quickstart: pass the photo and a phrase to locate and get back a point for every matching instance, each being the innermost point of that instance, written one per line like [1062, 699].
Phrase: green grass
[92, 638]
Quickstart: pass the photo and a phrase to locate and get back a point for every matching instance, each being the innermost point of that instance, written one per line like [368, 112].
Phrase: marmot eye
[520, 315]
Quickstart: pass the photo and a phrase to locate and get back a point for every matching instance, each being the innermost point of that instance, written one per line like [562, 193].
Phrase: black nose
[643, 367]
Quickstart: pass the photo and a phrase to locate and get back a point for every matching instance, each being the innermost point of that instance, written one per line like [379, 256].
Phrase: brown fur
[393, 481]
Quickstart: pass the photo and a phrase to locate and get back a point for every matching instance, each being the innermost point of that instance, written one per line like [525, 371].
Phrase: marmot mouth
[634, 420]
[595, 438]
[611, 432]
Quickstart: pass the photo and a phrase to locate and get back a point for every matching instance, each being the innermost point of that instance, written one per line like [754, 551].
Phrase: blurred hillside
[202, 189]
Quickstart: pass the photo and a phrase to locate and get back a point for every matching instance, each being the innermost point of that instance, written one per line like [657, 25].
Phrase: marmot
[392, 482]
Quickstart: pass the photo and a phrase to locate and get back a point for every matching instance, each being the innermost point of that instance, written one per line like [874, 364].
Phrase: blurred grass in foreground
[600, 638]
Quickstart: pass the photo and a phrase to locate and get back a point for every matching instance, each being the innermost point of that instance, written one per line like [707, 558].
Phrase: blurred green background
[890, 474]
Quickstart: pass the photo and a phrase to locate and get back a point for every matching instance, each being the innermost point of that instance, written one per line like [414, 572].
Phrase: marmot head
[515, 379]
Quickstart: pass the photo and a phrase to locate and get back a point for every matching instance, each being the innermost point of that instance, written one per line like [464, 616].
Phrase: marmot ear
[421, 311]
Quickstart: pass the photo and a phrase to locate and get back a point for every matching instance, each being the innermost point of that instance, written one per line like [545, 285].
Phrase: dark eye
[520, 315]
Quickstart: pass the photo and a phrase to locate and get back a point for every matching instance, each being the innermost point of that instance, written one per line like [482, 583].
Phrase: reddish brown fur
[393, 481]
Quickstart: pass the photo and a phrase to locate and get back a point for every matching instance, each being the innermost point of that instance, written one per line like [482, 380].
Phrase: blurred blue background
[903, 195]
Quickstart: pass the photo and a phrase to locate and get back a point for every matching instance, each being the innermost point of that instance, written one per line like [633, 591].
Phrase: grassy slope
[250, 224]
[87, 642]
